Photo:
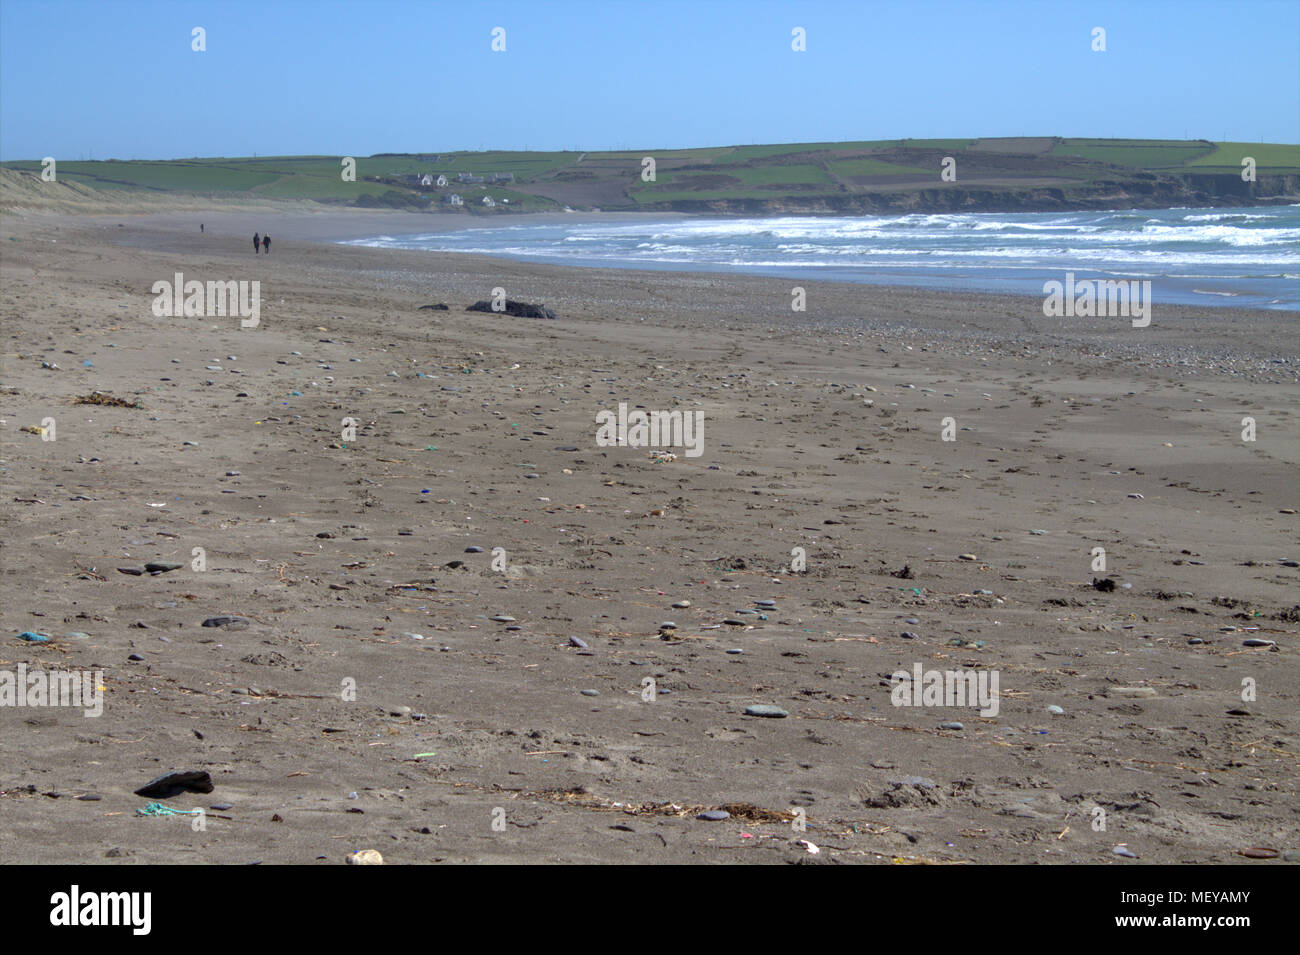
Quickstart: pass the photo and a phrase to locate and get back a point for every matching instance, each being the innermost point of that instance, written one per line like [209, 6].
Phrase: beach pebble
[951, 725]
[135, 657]
[162, 566]
[735, 650]
[1257, 642]
[667, 625]
[473, 550]
[1137, 497]
[681, 605]
[229, 623]
[908, 635]
[763, 709]
[912, 620]
[766, 604]
[1132, 692]
[503, 618]
[133, 571]
[1123, 851]
[967, 557]
[591, 692]
[1055, 710]
[578, 642]
[714, 815]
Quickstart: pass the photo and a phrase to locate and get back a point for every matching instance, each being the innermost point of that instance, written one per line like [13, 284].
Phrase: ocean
[1245, 257]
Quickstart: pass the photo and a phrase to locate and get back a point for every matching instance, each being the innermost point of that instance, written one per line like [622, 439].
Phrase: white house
[489, 201]
[441, 181]
[426, 180]
[454, 200]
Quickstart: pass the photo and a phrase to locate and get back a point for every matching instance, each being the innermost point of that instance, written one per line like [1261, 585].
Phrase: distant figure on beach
[266, 244]
[257, 242]
[200, 226]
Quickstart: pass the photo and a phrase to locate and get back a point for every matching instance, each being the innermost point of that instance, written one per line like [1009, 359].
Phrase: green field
[1266, 156]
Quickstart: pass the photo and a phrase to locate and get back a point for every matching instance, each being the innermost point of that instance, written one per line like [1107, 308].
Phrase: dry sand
[822, 431]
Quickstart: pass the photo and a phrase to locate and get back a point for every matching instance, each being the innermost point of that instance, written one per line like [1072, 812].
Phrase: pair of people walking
[263, 241]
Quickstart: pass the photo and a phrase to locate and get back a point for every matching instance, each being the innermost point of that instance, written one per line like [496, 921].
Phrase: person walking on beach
[257, 243]
[266, 244]
[200, 226]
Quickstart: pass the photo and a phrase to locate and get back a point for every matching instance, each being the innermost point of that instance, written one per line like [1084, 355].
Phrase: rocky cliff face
[1144, 191]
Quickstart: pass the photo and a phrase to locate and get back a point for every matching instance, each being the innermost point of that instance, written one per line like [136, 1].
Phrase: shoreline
[345, 229]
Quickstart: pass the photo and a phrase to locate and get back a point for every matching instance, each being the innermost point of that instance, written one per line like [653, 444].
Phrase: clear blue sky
[118, 79]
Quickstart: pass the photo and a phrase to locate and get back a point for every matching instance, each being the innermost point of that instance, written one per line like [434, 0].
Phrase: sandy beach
[452, 614]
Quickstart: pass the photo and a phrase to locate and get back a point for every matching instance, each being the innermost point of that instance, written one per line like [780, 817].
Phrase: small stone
[1132, 692]
[1123, 851]
[162, 566]
[91, 797]
[366, 857]
[1055, 710]
[768, 604]
[912, 620]
[763, 709]
[951, 725]
[473, 550]
[667, 625]
[967, 557]
[681, 605]
[591, 692]
[227, 622]
[136, 657]
[1257, 642]
[133, 571]
[1038, 533]
[908, 635]
[1195, 641]
[735, 650]
[714, 815]
[503, 618]
[1289, 563]
[222, 806]
[578, 642]
[1136, 497]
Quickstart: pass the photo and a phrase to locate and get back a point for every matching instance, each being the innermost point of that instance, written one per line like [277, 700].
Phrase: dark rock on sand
[229, 623]
[517, 309]
[175, 783]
